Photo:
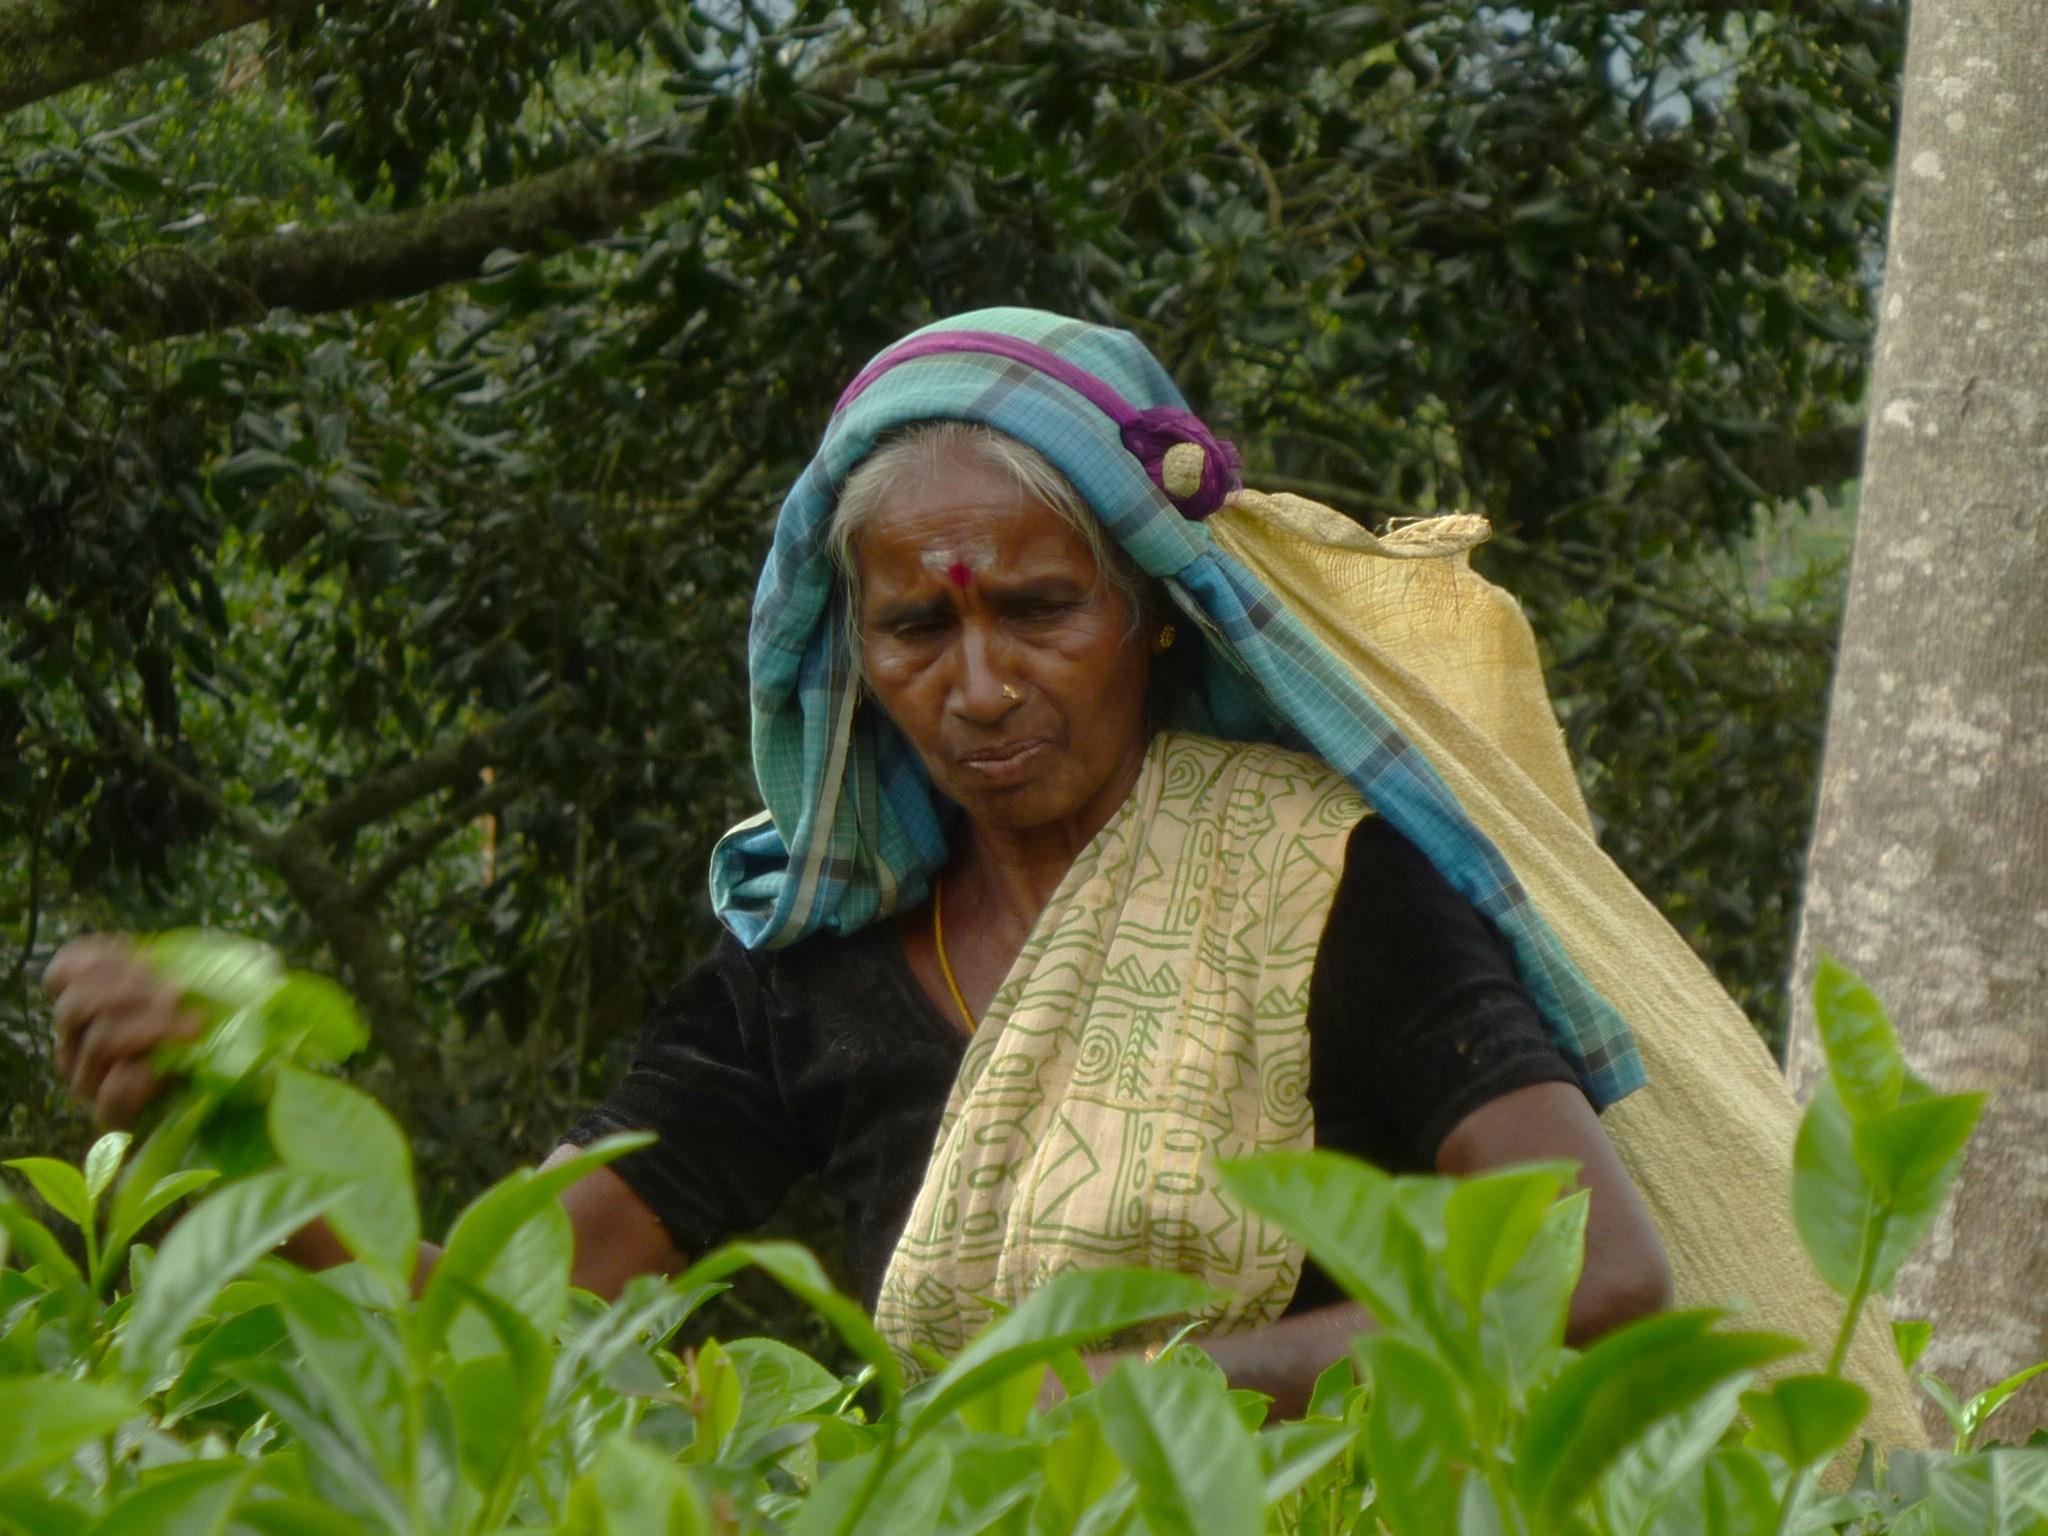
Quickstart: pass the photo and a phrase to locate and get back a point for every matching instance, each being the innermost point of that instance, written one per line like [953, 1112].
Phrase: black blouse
[828, 1057]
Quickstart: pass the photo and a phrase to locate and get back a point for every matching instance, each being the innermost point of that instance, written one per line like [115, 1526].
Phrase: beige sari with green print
[1156, 1020]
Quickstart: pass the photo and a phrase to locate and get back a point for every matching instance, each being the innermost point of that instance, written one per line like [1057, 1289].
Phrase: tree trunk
[1927, 873]
[47, 46]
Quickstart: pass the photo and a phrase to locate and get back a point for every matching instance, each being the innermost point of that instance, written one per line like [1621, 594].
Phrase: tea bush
[204, 1386]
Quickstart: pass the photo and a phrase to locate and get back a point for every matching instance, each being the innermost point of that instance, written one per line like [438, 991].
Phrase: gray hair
[926, 449]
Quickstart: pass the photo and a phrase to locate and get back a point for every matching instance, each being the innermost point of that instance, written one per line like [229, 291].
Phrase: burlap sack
[1451, 659]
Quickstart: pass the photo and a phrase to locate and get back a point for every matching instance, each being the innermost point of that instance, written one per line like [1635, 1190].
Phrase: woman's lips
[1006, 764]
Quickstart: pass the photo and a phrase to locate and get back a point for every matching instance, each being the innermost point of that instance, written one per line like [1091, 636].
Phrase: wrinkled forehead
[932, 550]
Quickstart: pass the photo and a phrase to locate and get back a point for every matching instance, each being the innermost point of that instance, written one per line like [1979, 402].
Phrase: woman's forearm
[1284, 1359]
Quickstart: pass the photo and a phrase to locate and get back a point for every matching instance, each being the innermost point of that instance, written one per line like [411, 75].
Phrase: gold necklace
[945, 965]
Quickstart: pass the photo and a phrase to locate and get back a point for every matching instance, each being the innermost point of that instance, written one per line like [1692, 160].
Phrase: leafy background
[395, 613]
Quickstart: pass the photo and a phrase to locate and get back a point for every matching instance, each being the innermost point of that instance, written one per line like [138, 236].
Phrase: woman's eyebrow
[910, 610]
[1048, 586]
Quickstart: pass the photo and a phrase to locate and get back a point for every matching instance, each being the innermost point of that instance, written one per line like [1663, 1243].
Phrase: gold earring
[1011, 694]
[1167, 635]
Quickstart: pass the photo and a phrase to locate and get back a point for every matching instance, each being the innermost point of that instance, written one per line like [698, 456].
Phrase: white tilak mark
[976, 554]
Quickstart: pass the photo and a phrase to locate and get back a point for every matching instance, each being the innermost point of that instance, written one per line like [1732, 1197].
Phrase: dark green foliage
[228, 1392]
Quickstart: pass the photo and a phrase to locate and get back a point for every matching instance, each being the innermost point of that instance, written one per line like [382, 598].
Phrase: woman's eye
[1041, 611]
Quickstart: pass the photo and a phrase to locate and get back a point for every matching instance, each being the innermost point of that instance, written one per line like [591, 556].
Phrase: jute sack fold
[1451, 659]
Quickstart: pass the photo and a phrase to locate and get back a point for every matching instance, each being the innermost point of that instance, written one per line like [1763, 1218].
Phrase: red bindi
[960, 574]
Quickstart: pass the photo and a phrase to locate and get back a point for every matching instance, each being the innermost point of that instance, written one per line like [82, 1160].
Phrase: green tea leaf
[776, 1383]
[103, 1161]
[1195, 1465]
[1643, 1478]
[314, 1021]
[1978, 1411]
[647, 1312]
[168, 1192]
[218, 973]
[1078, 1468]
[43, 1419]
[1911, 1340]
[61, 1186]
[269, 1515]
[1349, 1216]
[204, 1381]
[1862, 1049]
[991, 1477]
[1958, 1418]
[194, 1499]
[2000, 1492]
[34, 1242]
[1613, 1394]
[643, 1493]
[489, 1222]
[219, 1238]
[715, 1395]
[1737, 1496]
[1333, 1385]
[489, 1429]
[158, 1160]
[1069, 1310]
[796, 1271]
[1490, 1221]
[323, 1126]
[1522, 1319]
[1006, 1406]
[29, 1511]
[907, 1501]
[1911, 1154]
[342, 1476]
[354, 1356]
[1291, 1454]
[1417, 1440]
[529, 1355]
[1805, 1419]
[1833, 1205]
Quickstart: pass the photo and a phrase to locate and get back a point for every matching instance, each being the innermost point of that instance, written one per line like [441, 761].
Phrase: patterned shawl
[853, 830]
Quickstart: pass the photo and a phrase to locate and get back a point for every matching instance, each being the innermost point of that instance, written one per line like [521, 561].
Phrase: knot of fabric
[1195, 468]
[1165, 439]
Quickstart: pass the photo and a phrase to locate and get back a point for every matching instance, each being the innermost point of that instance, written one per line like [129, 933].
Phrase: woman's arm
[617, 1236]
[113, 1010]
[1626, 1275]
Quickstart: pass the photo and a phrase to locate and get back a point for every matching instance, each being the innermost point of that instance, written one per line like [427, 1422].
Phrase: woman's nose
[984, 692]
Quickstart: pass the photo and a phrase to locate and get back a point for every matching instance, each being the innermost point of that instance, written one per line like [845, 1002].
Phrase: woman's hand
[112, 1010]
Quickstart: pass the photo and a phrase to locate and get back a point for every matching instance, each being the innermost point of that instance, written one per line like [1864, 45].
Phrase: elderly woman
[1058, 895]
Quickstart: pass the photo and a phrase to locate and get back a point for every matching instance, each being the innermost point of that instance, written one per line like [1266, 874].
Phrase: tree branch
[1774, 468]
[47, 46]
[447, 766]
[371, 888]
[177, 291]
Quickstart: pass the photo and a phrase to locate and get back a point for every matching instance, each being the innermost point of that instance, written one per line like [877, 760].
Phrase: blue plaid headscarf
[853, 830]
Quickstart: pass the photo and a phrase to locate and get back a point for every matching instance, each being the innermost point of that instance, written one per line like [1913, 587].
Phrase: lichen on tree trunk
[1927, 872]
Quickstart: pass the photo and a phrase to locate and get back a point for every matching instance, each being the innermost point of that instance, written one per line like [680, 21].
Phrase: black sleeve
[1416, 1016]
[703, 1079]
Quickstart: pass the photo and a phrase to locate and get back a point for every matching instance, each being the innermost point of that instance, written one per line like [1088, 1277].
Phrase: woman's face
[1000, 651]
